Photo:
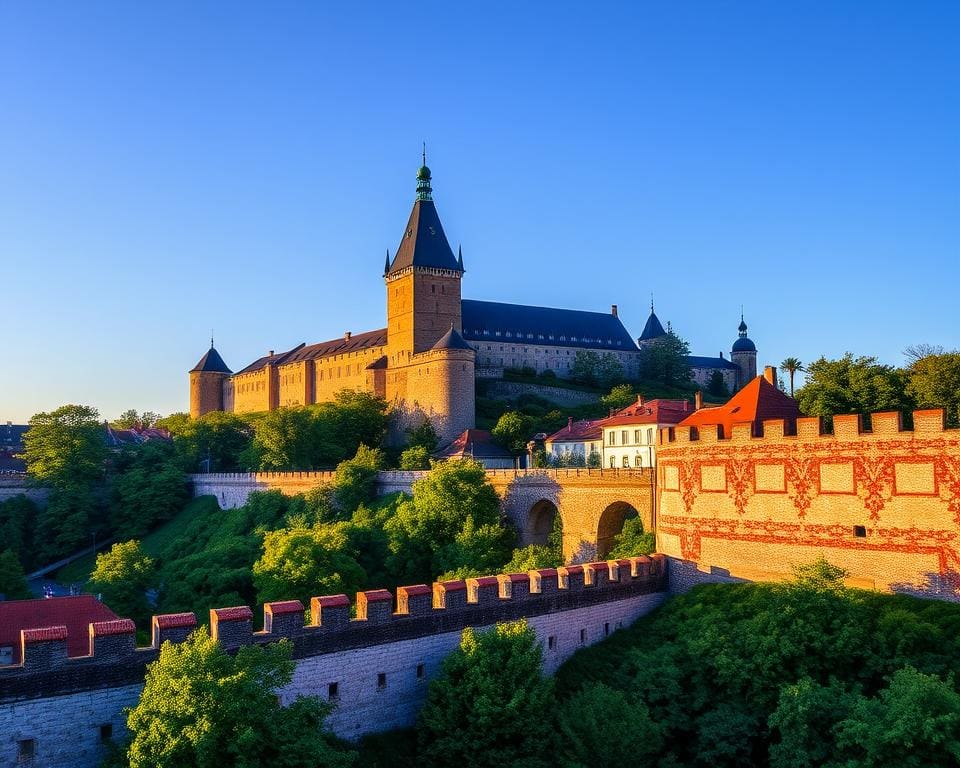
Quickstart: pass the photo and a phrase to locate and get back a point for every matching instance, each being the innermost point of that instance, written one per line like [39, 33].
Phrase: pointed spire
[386, 264]
[651, 303]
[460, 258]
[742, 328]
[424, 191]
[211, 338]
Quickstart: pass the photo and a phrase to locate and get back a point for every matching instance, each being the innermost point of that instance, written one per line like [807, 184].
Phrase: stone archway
[540, 522]
[611, 524]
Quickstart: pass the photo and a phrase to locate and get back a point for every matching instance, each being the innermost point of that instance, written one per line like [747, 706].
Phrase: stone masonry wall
[884, 503]
[374, 667]
[511, 390]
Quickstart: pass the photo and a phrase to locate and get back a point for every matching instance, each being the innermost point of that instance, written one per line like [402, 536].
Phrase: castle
[426, 361]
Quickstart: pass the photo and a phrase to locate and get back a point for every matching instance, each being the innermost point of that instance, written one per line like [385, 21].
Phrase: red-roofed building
[630, 434]
[75, 613]
[757, 402]
[478, 444]
[576, 442]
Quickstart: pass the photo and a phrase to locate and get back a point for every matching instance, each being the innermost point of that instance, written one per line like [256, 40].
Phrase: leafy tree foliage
[122, 576]
[299, 562]
[131, 418]
[203, 708]
[285, 439]
[533, 557]
[512, 431]
[355, 480]
[596, 369]
[933, 381]
[69, 521]
[717, 386]
[415, 457]
[215, 442]
[632, 540]
[66, 447]
[150, 488]
[619, 397]
[13, 581]
[852, 385]
[476, 550]
[423, 436]
[664, 360]
[18, 516]
[490, 705]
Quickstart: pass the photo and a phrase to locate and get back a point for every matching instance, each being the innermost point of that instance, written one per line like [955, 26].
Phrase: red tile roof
[477, 443]
[756, 402]
[578, 431]
[651, 412]
[75, 613]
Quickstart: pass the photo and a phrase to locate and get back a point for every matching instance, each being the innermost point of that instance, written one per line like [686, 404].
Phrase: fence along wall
[883, 503]
[374, 667]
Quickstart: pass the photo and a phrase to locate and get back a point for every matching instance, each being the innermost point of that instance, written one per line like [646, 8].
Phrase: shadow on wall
[938, 586]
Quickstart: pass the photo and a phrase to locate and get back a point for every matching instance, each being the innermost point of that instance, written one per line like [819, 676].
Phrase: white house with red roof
[576, 442]
[630, 435]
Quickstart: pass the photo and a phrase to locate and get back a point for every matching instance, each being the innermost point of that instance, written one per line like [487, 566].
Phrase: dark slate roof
[339, 346]
[11, 435]
[451, 340]
[477, 443]
[697, 361]
[492, 321]
[211, 363]
[424, 243]
[653, 329]
[743, 344]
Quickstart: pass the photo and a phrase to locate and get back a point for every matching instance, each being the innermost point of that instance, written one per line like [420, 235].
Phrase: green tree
[633, 540]
[150, 488]
[619, 397]
[65, 447]
[664, 360]
[70, 521]
[216, 442]
[852, 385]
[424, 435]
[300, 562]
[717, 386]
[352, 419]
[355, 480]
[122, 577]
[203, 708]
[533, 557]
[491, 704]
[477, 550]
[13, 581]
[415, 457]
[18, 519]
[933, 381]
[513, 429]
[285, 439]
[131, 418]
[586, 367]
[791, 366]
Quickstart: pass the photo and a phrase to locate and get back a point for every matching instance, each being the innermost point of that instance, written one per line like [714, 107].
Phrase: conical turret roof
[451, 340]
[211, 362]
[653, 329]
[424, 243]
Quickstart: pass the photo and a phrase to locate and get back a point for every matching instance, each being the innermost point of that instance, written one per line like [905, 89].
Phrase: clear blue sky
[244, 166]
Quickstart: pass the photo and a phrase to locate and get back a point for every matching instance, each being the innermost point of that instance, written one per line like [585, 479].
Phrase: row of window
[27, 748]
[637, 462]
[625, 437]
[547, 337]
[333, 689]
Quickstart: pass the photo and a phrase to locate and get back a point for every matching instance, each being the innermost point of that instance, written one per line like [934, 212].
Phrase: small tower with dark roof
[653, 329]
[744, 356]
[207, 378]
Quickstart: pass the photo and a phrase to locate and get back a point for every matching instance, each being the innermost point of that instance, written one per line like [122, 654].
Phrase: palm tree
[790, 366]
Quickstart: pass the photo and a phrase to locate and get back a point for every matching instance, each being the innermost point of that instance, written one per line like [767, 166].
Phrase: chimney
[613, 310]
[569, 423]
[721, 354]
[770, 374]
[686, 405]
[639, 399]
[347, 335]
[270, 353]
[697, 400]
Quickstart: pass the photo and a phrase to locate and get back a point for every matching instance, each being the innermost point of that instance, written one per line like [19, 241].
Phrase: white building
[630, 434]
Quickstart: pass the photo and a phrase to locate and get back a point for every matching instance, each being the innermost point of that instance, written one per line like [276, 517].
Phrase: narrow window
[433, 289]
[381, 681]
[106, 732]
[625, 435]
[636, 436]
[639, 461]
[606, 629]
[552, 642]
[859, 531]
[613, 462]
[613, 438]
[626, 462]
[421, 672]
[26, 750]
[333, 691]
[583, 637]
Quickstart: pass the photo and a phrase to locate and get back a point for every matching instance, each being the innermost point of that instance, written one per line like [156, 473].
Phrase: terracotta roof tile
[76, 613]
[756, 402]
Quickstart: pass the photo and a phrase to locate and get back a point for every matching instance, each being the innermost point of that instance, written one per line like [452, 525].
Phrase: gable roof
[581, 431]
[698, 361]
[476, 443]
[424, 243]
[75, 613]
[756, 402]
[493, 321]
[211, 362]
[339, 346]
[653, 329]
[659, 411]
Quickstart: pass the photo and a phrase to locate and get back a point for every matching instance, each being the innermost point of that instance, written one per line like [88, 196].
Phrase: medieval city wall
[375, 667]
[884, 503]
[511, 390]
[544, 357]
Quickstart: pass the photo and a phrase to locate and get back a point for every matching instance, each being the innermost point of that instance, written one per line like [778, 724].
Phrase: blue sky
[244, 166]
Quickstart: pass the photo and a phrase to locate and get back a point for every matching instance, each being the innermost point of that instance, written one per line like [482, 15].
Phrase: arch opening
[611, 525]
[543, 521]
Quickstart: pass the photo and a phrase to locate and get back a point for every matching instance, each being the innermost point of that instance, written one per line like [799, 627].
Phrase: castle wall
[701, 377]
[206, 392]
[883, 504]
[346, 371]
[62, 703]
[422, 304]
[250, 392]
[543, 357]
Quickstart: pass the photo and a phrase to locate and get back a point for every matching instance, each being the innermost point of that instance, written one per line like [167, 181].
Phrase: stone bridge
[592, 503]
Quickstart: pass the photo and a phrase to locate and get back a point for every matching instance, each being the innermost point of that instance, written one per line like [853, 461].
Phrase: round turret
[207, 378]
[744, 355]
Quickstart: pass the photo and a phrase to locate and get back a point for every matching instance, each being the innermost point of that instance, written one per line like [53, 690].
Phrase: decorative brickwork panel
[713, 477]
[671, 478]
[771, 478]
[918, 478]
[836, 477]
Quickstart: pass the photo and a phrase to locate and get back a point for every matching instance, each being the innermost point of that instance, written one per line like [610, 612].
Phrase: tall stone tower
[423, 281]
[744, 356]
[207, 378]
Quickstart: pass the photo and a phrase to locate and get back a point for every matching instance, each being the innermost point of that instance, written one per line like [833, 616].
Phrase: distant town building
[11, 444]
[630, 434]
[478, 444]
[576, 442]
[75, 613]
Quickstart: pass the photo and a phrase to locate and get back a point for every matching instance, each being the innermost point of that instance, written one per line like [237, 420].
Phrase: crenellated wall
[374, 667]
[883, 503]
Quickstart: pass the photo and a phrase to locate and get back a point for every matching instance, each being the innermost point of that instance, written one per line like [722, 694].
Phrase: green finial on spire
[424, 191]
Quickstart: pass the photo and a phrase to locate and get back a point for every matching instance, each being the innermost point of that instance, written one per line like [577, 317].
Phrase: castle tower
[451, 362]
[653, 329]
[423, 281]
[207, 378]
[744, 356]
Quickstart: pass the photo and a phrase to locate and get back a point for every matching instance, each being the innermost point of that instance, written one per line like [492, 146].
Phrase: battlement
[380, 617]
[884, 425]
